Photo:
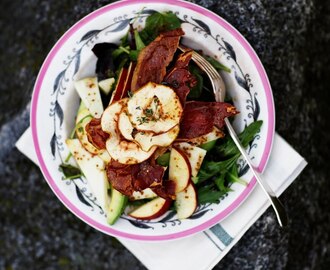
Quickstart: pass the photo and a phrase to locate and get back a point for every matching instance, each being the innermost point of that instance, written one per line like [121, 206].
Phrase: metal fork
[219, 93]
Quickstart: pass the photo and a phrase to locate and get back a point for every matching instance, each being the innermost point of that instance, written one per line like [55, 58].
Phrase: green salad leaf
[208, 194]
[210, 168]
[228, 148]
[164, 159]
[216, 177]
[196, 91]
[218, 66]
[159, 22]
[70, 172]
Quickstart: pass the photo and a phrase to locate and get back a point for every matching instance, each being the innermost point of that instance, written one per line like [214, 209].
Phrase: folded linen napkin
[284, 165]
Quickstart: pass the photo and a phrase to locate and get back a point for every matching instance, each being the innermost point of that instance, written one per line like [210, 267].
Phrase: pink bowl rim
[110, 230]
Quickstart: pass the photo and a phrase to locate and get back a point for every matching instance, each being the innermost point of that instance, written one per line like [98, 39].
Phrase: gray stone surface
[292, 39]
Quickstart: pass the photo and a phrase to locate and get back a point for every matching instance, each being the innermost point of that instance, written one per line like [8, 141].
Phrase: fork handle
[277, 205]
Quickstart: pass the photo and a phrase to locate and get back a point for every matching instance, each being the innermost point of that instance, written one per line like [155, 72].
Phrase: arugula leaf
[138, 41]
[211, 168]
[232, 176]
[70, 172]
[164, 159]
[209, 145]
[228, 147]
[208, 194]
[220, 183]
[217, 65]
[157, 23]
[196, 91]
[120, 51]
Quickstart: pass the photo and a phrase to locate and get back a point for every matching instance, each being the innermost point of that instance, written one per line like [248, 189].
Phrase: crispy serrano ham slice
[200, 117]
[179, 78]
[129, 178]
[96, 136]
[154, 58]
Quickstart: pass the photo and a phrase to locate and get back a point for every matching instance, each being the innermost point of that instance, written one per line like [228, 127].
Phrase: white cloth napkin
[207, 248]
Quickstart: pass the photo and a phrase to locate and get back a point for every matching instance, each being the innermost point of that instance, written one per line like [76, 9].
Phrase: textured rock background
[291, 38]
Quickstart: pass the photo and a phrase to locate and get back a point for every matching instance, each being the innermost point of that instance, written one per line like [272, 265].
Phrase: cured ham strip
[166, 190]
[179, 78]
[200, 117]
[96, 136]
[129, 178]
[154, 58]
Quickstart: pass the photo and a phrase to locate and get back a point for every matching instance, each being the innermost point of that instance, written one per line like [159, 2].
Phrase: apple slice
[93, 168]
[104, 155]
[89, 93]
[106, 85]
[155, 108]
[125, 126]
[123, 84]
[179, 169]
[195, 155]
[186, 202]
[211, 136]
[123, 151]
[148, 139]
[152, 209]
[83, 118]
[144, 194]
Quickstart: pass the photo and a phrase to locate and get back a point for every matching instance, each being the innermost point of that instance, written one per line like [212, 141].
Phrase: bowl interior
[55, 103]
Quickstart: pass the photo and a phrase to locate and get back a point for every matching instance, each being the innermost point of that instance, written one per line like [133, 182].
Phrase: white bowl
[55, 102]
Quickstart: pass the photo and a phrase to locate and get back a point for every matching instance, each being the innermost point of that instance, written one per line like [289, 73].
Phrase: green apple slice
[144, 194]
[93, 168]
[211, 136]
[89, 93]
[107, 85]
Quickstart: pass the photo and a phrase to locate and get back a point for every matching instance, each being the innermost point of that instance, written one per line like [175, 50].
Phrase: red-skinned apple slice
[195, 155]
[179, 169]
[152, 209]
[186, 202]
[123, 84]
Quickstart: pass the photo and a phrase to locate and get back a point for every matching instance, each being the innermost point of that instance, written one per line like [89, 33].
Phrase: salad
[149, 135]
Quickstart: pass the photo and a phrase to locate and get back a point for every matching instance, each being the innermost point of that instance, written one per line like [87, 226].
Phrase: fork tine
[215, 78]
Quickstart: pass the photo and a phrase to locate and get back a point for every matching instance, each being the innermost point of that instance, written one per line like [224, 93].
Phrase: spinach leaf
[157, 23]
[228, 147]
[70, 172]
